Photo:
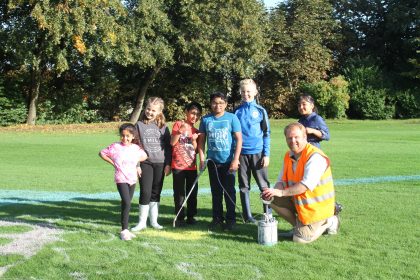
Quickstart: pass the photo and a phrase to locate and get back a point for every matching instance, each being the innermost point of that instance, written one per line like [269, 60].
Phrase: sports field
[59, 212]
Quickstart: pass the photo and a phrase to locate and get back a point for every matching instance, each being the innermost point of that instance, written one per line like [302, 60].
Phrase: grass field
[59, 205]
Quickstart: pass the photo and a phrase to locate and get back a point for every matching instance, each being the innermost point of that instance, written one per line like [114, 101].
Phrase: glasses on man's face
[218, 103]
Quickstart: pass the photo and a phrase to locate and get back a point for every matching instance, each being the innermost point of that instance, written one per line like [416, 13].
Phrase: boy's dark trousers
[182, 184]
[251, 164]
[228, 182]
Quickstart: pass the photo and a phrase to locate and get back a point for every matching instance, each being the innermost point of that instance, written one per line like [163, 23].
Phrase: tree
[384, 30]
[301, 33]
[150, 46]
[42, 37]
[227, 38]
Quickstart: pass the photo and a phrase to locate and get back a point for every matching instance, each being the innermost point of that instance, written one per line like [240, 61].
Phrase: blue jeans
[228, 182]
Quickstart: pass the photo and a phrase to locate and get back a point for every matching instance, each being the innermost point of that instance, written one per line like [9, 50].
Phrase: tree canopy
[77, 60]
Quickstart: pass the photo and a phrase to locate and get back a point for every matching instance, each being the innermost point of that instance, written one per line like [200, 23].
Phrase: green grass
[14, 229]
[4, 240]
[379, 237]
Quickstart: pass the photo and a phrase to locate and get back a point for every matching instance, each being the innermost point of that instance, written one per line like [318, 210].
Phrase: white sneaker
[132, 235]
[334, 225]
[125, 235]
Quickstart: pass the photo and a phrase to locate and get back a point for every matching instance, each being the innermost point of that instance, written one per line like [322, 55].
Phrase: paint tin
[267, 231]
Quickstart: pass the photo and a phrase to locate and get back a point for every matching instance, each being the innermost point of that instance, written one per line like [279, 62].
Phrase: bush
[331, 97]
[12, 111]
[406, 104]
[370, 103]
[369, 95]
[78, 113]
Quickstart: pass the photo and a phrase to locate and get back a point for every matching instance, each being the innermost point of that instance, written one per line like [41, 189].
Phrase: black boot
[246, 207]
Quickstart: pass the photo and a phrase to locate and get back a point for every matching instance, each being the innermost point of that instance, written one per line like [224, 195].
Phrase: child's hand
[183, 127]
[139, 171]
[265, 161]
[202, 165]
[234, 166]
[195, 136]
[167, 170]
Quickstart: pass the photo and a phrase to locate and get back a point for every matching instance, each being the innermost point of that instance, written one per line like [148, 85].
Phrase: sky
[271, 3]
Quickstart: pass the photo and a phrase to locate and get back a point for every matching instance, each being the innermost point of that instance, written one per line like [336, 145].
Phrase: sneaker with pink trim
[125, 235]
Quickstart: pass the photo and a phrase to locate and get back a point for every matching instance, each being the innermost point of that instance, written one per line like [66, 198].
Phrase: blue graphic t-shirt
[219, 134]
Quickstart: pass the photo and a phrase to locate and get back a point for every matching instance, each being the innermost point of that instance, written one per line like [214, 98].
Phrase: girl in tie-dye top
[124, 156]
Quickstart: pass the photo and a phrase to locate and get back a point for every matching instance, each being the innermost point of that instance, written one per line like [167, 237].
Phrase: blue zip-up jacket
[255, 128]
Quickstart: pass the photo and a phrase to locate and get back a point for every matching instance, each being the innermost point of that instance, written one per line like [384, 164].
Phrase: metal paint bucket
[267, 231]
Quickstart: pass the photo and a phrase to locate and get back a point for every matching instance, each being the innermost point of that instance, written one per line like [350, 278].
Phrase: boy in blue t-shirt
[222, 130]
[255, 153]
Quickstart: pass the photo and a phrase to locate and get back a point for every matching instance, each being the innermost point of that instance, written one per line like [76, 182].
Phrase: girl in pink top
[124, 156]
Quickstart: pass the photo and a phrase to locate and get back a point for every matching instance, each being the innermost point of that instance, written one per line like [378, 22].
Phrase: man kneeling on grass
[304, 193]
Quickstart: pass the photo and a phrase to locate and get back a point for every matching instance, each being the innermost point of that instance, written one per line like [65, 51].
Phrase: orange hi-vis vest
[312, 206]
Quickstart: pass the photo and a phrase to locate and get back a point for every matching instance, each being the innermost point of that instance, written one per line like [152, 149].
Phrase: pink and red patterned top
[125, 160]
[183, 152]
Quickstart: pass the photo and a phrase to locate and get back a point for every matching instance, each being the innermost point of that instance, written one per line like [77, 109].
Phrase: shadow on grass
[98, 215]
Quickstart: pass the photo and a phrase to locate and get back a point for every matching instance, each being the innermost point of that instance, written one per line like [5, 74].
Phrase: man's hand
[268, 194]
[139, 171]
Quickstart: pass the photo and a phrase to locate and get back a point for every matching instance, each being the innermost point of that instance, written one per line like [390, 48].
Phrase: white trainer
[334, 225]
[125, 235]
[132, 235]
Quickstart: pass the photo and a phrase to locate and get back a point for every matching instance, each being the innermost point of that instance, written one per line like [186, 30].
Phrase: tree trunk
[141, 93]
[289, 82]
[33, 96]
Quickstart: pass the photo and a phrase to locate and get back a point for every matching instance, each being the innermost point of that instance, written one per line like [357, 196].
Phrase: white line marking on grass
[27, 243]
[140, 275]
[62, 251]
[106, 260]
[147, 245]
[77, 275]
[186, 268]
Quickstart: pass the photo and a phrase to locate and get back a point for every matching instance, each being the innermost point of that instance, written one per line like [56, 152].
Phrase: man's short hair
[293, 125]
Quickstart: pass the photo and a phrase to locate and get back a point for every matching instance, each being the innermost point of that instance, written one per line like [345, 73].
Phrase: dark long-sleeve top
[156, 142]
[317, 122]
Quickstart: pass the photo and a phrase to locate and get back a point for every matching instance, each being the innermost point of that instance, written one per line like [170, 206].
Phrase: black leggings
[151, 182]
[126, 193]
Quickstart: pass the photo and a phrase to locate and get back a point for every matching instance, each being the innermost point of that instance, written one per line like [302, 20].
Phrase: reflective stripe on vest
[312, 200]
[316, 205]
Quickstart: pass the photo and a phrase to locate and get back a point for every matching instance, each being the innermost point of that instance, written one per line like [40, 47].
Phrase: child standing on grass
[316, 128]
[155, 139]
[255, 153]
[184, 168]
[124, 156]
[224, 141]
